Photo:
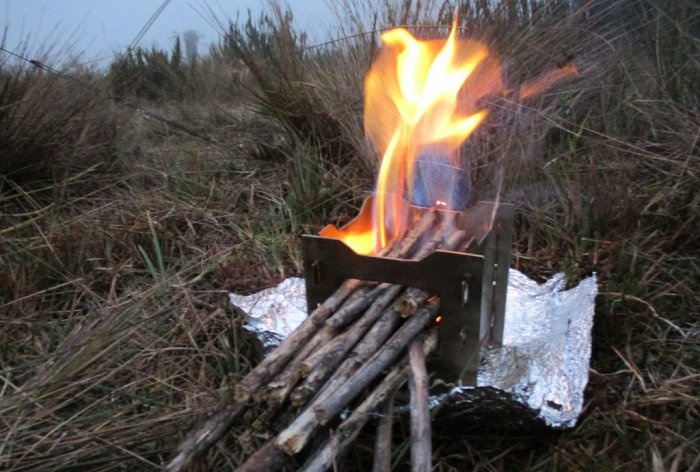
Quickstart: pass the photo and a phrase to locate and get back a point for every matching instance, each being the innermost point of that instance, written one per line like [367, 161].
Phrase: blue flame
[436, 179]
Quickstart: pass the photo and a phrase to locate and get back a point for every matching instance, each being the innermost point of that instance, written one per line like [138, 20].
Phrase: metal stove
[471, 285]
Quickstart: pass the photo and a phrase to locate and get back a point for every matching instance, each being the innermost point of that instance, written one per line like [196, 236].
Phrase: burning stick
[414, 236]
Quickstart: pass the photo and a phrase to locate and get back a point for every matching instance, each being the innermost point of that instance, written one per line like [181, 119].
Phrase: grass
[121, 235]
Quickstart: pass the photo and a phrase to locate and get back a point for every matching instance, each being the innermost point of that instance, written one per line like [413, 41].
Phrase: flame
[359, 235]
[422, 98]
[412, 96]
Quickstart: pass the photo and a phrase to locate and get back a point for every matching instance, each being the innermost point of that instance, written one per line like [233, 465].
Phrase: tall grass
[120, 235]
[49, 126]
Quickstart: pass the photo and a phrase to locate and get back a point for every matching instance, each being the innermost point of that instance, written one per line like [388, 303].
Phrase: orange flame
[421, 97]
[411, 97]
[412, 94]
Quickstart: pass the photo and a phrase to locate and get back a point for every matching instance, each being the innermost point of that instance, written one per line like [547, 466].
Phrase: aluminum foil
[540, 372]
[274, 312]
[546, 347]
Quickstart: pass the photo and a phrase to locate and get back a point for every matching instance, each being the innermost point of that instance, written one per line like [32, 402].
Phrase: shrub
[151, 74]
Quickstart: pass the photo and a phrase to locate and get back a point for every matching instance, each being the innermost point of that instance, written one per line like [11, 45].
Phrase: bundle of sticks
[350, 355]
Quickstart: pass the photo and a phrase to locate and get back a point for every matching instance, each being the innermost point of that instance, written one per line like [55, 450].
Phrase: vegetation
[134, 199]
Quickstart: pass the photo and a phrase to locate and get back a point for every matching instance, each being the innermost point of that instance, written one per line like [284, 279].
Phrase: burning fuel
[423, 99]
[413, 120]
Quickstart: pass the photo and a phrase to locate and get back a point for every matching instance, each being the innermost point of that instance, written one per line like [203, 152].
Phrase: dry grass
[119, 246]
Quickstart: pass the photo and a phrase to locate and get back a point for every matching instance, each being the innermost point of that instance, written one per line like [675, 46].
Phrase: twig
[349, 429]
[421, 446]
[295, 437]
[276, 391]
[363, 350]
[360, 301]
[268, 458]
[333, 352]
[272, 364]
[205, 435]
[388, 353]
[209, 431]
[383, 438]
[414, 236]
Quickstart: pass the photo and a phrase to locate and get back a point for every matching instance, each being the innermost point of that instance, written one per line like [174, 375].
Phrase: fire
[412, 96]
[422, 101]
[411, 107]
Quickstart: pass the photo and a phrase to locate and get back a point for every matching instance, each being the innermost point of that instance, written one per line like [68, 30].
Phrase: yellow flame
[422, 95]
[411, 102]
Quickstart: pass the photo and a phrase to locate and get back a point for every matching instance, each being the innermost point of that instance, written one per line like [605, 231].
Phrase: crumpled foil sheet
[275, 312]
[546, 350]
[542, 365]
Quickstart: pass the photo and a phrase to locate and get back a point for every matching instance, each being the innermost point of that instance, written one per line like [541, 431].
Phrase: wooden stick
[330, 355]
[421, 446]
[208, 432]
[268, 458]
[409, 302]
[347, 312]
[383, 437]
[413, 298]
[276, 391]
[388, 353]
[354, 304]
[414, 236]
[348, 430]
[439, 241]
[272, 364]
[296, 435]
[204, 435]
[370, 343]
[323, 459]
[457, 240]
